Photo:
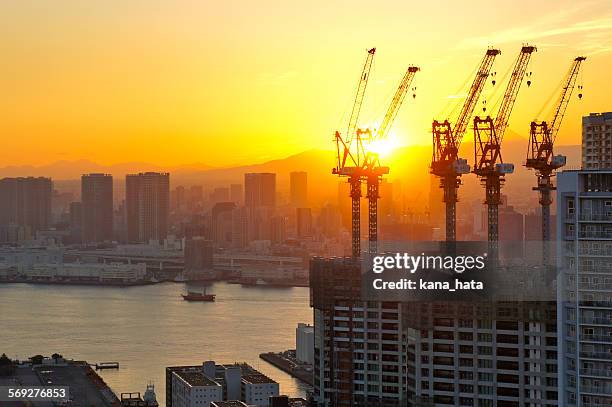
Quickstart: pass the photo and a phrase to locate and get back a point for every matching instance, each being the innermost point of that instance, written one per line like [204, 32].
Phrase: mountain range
[410, 166]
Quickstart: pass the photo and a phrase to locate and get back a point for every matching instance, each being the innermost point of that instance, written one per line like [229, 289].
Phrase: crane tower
[445, 162]
[351, 153]
[540, 156]
[488, 137]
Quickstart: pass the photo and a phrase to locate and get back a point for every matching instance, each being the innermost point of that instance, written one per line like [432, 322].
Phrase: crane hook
[528, 84]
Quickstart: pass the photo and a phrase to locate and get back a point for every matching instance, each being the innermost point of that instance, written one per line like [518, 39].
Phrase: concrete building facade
[147, 206]
[584, 241]
[597, 141]
[97, 207]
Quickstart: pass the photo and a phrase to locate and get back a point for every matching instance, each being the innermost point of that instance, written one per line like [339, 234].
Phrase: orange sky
[221, 83]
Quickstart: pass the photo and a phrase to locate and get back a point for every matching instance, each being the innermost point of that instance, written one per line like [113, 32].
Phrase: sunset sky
[228, 82]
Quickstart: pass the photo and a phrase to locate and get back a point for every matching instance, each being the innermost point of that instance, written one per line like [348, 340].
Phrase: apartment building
[584, 234]
[387, 353]
[597, 141]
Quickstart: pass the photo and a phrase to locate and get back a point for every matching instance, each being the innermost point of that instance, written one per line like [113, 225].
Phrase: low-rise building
[236, 382]
[257, 389]
[194, 389]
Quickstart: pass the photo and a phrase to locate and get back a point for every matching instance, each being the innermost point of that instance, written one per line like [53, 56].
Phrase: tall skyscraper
[147, 206]
[298, 185]
[260, 201]
[597, 141]
[260, 190]
[584, 296]
[97, 207]
[26, 202]
[236, 195]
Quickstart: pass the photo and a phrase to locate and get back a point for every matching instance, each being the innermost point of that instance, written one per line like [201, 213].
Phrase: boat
[198, 296]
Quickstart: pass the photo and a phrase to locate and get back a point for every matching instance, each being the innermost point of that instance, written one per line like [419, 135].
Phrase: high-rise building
[221, 218]
[220, 194]
[298, 185]
[329, 221]
[196, 197]
[147, 206]
[260, 190]
[260, 201]
[304, 222]
[178, 199]
[26, 203]
[236, 195]
[97, 207]
[386, 353]
[240, 228]
[584, 296]
[76, 221]
[278, 229]
[597, 141]
[511, 224]
[359, 357]
[482, 354]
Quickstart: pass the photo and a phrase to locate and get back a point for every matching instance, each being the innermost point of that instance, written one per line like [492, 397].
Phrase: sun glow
[384, 147]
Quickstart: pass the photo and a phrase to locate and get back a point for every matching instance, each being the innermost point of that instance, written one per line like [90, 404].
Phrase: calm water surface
[148, 328]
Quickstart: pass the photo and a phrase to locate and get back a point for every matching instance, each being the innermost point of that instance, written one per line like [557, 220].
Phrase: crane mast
[373, 171]
[445, 162]
[488, 137]
[540, 152]
[350, 148]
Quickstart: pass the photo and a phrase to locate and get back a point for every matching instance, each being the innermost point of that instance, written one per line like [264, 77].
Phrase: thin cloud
[593, 34]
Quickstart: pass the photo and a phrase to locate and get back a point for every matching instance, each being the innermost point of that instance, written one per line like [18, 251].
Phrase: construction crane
[540, 152]
[445, 162]
[372, 170]
[488, 137]
[351, 154]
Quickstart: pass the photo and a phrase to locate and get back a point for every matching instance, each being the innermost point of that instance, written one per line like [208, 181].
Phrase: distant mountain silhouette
[410, 165]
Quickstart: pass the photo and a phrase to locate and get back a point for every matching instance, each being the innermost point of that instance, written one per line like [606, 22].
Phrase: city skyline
[237, 204]
[181, 74]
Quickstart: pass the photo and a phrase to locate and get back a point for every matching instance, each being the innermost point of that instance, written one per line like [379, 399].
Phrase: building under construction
[376, 353]
[405, 353]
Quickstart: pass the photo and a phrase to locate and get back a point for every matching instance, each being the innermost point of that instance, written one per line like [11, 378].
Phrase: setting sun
[384, 147]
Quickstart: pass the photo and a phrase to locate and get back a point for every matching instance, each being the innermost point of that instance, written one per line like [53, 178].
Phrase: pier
[301, 372]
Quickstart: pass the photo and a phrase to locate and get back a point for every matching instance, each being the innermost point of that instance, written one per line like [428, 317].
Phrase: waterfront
[148, 328]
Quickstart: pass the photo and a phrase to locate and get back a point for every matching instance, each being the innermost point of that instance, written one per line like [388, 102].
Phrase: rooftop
[229, 403]
[196, 378]
[257, 378]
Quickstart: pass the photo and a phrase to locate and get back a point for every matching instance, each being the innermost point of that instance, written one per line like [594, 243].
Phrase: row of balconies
[596, 338]
[596, 320]
[596, 355]
[596, 372]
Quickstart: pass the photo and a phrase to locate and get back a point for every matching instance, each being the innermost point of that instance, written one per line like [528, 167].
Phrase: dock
[301, 372]
[107, 365]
